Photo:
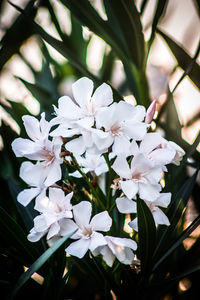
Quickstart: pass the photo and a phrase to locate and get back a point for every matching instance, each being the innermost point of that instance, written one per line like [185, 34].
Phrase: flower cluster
[101, 136]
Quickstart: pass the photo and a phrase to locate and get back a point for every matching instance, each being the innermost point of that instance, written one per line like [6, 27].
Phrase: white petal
[125, 205]
[67, 227]
[123, 242]
[102, 96]
[25, 196]
[149, 192]
[134, 224]
[76, 146]
[76, 174]
[40, 223]
[160, 217]
[103, 168]
[32, 127]
[101, 222]
[82, 213]
[141, 164]
[78, 248]
[35, 236]
[163, 200]
[121, 145]
[53, 230]
[106, 117]
[162, 156]
[64, 131]
[56, 195]
[124, 111]
[68, 109]
[97, 240]
[130, 188]
[54, 173]
[150, 142]
[135, 130]
[108, 256]
[121, 167]
[82, 90]
[24, 147]
[32, 174]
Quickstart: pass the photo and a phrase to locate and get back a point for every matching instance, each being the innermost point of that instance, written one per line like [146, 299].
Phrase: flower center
[115, 129]
[87, 231]
[137, 176]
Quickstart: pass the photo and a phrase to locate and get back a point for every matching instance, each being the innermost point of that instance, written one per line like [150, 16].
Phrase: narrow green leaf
[174, 213]
[13, 231]
[128, 20]
[39, 263]
[179, 241]
[183, 58]
[160, 9]
[146, 236]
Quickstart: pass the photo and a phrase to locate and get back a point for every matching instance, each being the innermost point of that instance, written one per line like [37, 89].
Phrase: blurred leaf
[195, 118]
[128, 20]
[143, 5]
[44, 97]
[160, 10]
[183, 58]
[39, 263]
[146, 236]
[12, 40]
[107, 66]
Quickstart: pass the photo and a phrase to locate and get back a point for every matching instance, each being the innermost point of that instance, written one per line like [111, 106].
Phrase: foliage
[164, 258]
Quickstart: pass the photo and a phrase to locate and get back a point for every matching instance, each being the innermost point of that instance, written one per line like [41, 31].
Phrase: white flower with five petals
[91, 163]
[121, 122]
[120, 248]
[88, 236]
[141, 177]
[53, 211]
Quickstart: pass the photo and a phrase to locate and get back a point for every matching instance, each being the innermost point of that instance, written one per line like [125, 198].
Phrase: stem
[88, 183]
[109, 192]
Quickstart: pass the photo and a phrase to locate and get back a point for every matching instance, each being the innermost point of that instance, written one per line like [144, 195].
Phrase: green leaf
[179, 241]
[146, 236]
[183, 58]
[44, 97]
[12, 40]
[174, 212]
[16, 235]
[39, 263]
[128, 21]
[160, 9]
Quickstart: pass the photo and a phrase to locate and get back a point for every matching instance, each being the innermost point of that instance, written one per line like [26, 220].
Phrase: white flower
[150, 112]
[152, 147]
[120, 248]
[35, 178]
[53, 211]
[38, 132]
[141, 177]
[121, 122]
[159, 217]
[87, 235]
[179, 152]
[84, 107]
[91, 163]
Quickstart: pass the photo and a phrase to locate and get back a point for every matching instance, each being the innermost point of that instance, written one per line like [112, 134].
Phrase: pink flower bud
[150, 112]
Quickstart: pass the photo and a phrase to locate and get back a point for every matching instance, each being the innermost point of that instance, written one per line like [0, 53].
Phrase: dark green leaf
[160, 9]
[146, 236]
[179, 241]
[183, 58]
[174, 212]
[39, 263]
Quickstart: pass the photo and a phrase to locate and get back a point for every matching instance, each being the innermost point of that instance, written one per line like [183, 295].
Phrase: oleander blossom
[54, 210]
[91, 163]
[120, 248]
[159, 216]
[87, 235]
[120, 122]
[141, 177]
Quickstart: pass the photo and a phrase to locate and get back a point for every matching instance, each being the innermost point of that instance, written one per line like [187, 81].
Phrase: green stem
[109, 192]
